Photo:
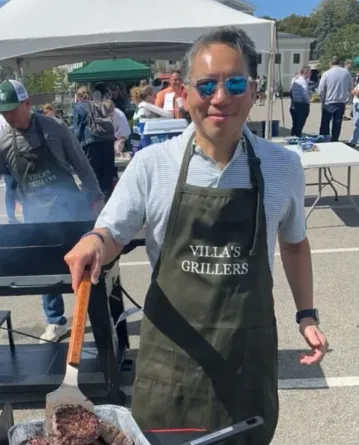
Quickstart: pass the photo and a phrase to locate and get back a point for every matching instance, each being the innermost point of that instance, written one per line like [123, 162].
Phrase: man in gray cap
[41, 155]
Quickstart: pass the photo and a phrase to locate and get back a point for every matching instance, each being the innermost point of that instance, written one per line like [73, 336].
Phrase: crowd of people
[40, 154]
[337, 88]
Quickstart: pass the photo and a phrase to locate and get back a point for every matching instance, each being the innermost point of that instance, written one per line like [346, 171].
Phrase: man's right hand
[88, 252]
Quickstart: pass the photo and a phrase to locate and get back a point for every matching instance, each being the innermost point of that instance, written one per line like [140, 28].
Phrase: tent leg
[270, 85]
[19, 72]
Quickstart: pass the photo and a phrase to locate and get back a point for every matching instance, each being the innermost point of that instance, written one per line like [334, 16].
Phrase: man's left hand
[316, 340]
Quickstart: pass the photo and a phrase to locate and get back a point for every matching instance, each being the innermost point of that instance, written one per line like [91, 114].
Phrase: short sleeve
[292, 227]
[124, 214]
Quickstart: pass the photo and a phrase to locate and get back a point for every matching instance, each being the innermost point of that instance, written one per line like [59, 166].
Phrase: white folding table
[328, 156]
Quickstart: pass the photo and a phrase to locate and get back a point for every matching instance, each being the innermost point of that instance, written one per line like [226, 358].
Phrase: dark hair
[176, 71]
[101, 87]
[157, 82]
[335, 60]
[228, 35]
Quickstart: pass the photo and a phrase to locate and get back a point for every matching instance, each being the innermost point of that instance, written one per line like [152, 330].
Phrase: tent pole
[271, 82]
[19, 72]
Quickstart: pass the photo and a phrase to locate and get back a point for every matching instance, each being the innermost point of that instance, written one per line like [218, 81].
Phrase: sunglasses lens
[236, 85]
[207, 88]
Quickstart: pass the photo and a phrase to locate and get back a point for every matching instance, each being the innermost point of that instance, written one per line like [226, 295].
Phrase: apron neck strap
[253, 163]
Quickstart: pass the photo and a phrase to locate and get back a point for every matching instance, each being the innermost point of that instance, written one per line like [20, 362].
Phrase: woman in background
[120, 124]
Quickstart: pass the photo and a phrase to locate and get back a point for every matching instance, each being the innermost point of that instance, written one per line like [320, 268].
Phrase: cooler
[160, 130]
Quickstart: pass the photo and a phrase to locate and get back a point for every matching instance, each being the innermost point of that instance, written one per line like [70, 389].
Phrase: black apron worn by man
[49, 192]
[208, 353]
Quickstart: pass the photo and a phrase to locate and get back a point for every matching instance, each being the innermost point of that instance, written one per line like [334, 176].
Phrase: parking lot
[320, 404]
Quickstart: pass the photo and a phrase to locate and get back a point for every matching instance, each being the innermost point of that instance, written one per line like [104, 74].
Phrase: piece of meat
[36, 441]
[74, 425]
[122, 439]
[108, 432]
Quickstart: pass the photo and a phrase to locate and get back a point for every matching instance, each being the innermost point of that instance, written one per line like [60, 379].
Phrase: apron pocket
[155, 363]
[260, 369]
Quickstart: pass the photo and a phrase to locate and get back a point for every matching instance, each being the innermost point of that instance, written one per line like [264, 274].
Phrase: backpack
[100, 122]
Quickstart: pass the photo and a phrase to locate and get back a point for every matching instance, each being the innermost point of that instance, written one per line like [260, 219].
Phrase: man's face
[176, 81]
[307, 74]
[20, 117]
[221, 115]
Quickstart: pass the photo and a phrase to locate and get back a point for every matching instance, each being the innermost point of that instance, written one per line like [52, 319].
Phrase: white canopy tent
[40, 34]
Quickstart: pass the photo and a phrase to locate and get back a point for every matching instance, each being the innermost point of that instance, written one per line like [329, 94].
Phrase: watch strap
[307, 313]
[98, 234]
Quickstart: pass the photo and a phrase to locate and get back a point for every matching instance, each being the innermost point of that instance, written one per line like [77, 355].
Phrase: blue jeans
[54, 309]
[355, 137]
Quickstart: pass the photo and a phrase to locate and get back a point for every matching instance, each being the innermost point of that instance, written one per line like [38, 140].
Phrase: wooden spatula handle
[79, 321]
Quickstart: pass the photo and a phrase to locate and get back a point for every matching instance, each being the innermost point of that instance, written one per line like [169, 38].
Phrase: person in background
[99, 92]
[214, 201]
[335, 86]
[355, 136]
[49, 110]
[348, 65]
[119, 97]
[168, 98]
[144, 95]
[143, 83]
[100, 152]
[262, 88]
[42, 155]
[121, 126]
[300, 101]
[157, 85]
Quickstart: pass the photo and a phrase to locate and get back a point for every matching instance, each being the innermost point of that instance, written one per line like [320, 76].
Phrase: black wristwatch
[307, 313]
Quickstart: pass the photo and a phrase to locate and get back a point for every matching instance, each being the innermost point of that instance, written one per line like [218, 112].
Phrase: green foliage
[6, 73]
[47, 81]
[332, 17]
[344, 43]
[298, 25]
[334, 24]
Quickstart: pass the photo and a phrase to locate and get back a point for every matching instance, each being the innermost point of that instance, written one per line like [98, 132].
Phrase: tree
[344, 43]
[47, 81]
[298, 25]
[6, 73]
[331, 16]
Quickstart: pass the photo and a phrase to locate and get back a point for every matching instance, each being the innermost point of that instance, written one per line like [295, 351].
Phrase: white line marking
[325, 382]
[134, 263]
[291, 384]
[314, 252]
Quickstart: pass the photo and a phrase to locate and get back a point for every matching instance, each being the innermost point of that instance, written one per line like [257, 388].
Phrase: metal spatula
[69, 392]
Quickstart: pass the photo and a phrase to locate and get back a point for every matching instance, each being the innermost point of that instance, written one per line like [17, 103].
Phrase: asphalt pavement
[319, 404]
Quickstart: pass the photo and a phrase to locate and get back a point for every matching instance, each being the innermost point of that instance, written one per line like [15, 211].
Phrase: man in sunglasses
[214, 200]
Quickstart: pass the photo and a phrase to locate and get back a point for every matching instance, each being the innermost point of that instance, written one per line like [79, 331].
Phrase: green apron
[208, 349]
[48, 191]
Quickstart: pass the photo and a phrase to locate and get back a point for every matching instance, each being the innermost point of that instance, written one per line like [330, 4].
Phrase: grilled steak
[36, 441]
[122, 439]
[108, 432]
[74, 425]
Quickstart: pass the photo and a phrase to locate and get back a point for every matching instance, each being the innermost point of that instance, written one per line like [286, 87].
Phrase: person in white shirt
[121, 126]
[300, 104]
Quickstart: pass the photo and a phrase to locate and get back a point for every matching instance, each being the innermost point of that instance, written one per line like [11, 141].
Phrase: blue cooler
[160, 130]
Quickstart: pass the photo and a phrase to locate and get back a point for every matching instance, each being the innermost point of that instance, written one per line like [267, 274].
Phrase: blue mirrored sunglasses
[235, 86]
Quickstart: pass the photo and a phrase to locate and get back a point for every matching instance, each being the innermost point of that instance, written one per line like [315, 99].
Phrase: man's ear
[254, 89]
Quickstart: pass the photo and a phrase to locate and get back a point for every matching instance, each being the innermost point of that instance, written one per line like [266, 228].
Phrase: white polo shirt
[145, 191]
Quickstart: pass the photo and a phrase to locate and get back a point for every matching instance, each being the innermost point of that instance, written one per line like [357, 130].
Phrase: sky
[275, 8]
[282, 8]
